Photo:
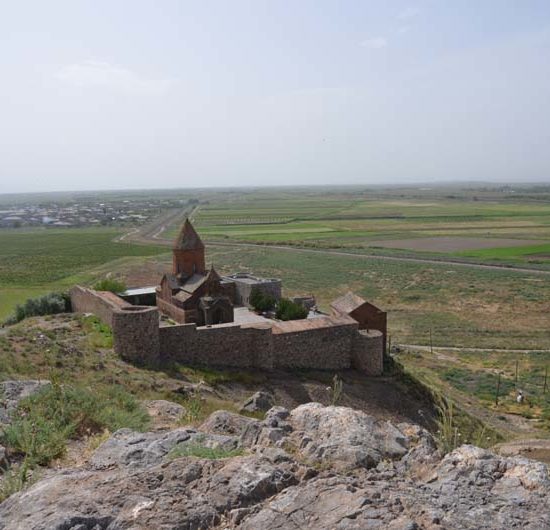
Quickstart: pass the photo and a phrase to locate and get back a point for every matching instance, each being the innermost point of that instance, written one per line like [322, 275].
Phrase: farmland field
[453, 244]
[37, 261]
[498, 227]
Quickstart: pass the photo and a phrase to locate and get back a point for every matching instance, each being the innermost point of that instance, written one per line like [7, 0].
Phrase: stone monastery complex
[195, 316]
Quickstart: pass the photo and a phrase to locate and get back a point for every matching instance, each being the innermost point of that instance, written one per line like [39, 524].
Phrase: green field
[516, 229]
[35, 262]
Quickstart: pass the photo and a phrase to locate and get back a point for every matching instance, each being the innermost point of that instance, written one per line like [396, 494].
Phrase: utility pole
[498, 390]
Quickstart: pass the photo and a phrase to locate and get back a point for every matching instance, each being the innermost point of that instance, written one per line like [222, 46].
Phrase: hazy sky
[129, 93]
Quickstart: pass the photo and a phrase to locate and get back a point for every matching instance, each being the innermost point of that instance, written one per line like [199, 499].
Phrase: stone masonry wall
[368, 352]
[136, 334]
[326, 348]
[243, 289]
[88, 301]
[175, 313]
[225, 345]
[320, 344]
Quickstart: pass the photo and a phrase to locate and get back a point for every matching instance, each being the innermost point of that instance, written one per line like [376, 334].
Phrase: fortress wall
[327, 348]
[231, 346]
[136, 334]
[325, 344]
[368, 352]
[178, 343]
[100, 303]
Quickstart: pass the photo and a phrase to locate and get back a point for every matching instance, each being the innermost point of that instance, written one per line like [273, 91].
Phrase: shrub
[15, 479]
[44, 422]
[49, 304]
[289, 310]
[109, 284]
[261, 301]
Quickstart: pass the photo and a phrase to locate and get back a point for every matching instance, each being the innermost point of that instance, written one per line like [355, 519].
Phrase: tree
[261, 301]
[108, 284]
[289, 310]
[49, 304]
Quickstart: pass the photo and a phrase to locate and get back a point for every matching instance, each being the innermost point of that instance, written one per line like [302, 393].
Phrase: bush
[289, 310]
[44, 422]
[99, 335]
[15, 479]
[109, 284]
[261, 301]
[49, 304]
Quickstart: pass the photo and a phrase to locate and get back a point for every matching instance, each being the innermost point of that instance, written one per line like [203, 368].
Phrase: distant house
[368, 315]
[12, 221]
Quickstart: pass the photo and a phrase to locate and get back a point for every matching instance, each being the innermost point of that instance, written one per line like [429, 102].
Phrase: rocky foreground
[314, 467]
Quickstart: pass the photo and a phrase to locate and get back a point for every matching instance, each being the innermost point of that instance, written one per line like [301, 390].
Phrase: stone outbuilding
[368, 315]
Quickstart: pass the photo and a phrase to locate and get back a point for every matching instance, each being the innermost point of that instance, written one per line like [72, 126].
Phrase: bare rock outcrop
[339, 437]
[164, 414]
[470, 489]
[318, 468]
[185, 493]
[224, 422]
[258, 402]
[126, 448]
[12, 392]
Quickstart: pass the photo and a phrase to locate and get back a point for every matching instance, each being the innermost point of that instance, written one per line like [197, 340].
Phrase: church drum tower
[188, 253]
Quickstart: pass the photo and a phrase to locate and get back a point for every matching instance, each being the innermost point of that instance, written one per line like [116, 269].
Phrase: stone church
[193, 294]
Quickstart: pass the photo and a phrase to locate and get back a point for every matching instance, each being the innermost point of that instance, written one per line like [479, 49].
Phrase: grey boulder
[12, 392]
[229, 423]
[258, 402]
[126, 448]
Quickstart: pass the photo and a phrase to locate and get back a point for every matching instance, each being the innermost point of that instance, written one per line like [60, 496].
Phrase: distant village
[87, 212]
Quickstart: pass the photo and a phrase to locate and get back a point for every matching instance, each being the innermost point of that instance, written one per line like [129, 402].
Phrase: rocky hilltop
[313, 467]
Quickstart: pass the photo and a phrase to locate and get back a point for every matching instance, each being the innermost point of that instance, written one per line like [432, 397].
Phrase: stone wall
[100, 303]
[367, 354]
[175, 313]
[327, 348]
[324, 343]
[372, 318]
[136, 334]
[223, 345]
[244, 283]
